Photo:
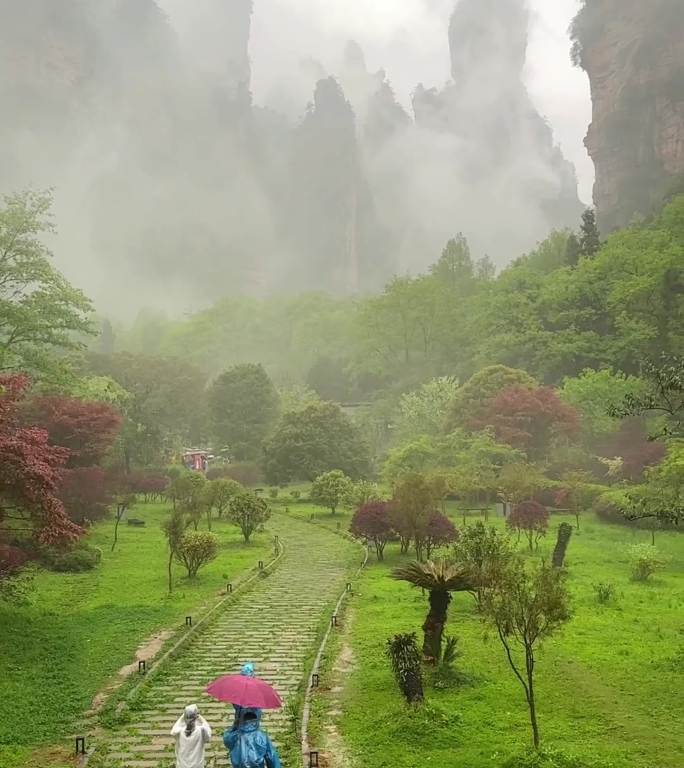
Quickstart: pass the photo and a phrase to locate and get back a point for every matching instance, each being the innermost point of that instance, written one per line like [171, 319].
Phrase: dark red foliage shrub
[88, 430]
[530, 518]
[373, 522]
[148, 484]
[86, 493]
[30, 473]
[631, 443]
[439, 532]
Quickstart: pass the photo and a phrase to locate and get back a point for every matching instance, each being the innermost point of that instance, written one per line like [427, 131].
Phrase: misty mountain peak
[488, 36]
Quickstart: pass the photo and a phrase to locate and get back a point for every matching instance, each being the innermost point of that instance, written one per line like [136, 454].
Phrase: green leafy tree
[163, 408]
[485, 553]
[526, 609]
[576, 493]
[123, 501]
[455, 268]
[331, 489]
[362, 492]
[519, 482]
[663, 397]
[174, 528]
[40, 312]
[243, 405]
[186, 488]
[329, 380]
[312, 441]
[195, 550]
[248, 512]
[295, 397]
[419, 455]
[573, 250]
[401, 330]
[439, 579]
[413, 505]
[661, 498]
[592, 392]
[218, 495]
[551, 254]
[424, 411]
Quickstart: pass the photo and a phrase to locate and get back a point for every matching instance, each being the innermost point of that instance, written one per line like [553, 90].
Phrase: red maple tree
[439, 532]
[86, 493]
[30, 474]
[373, 522]
[530, 518]
[530, 419]
[87, 429]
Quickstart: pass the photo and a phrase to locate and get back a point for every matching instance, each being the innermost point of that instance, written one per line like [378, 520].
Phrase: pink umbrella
[245, 692]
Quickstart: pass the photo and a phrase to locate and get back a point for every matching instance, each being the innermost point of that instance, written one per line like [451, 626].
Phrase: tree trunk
[529, 663]
[433, 627]
[119, 515]
[169, 571]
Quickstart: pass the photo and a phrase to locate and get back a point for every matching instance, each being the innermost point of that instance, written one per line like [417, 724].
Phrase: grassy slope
[81, 628]
[609, 686]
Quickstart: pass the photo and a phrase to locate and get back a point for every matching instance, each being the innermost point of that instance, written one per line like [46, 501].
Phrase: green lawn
[610, 686]
[80, 629]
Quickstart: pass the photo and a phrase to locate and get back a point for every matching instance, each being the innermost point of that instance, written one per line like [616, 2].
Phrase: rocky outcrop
[501, 152]
[633, 53]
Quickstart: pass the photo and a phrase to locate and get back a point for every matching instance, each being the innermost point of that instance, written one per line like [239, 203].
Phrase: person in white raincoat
[191, 733]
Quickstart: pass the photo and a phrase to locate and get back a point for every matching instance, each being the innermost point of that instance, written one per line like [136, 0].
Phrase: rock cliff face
[633, 53]
[503, 148]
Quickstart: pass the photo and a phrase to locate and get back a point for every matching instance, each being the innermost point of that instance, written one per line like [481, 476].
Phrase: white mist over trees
[174, 188]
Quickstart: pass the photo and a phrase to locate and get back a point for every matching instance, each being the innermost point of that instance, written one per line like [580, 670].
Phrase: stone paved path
[274, 625]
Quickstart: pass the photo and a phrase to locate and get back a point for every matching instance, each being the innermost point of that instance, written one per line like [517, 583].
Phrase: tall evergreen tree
[590, 239]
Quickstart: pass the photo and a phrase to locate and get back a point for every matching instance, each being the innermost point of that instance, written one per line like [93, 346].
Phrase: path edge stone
[308, 695]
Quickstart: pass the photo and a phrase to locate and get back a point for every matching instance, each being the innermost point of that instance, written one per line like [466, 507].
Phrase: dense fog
[179, 177]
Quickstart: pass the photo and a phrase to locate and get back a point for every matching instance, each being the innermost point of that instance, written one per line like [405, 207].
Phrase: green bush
[81, 557]
[404, 656]
[605, 593]
[295, 495]
[273, 493]
[645, 560]
[195, 550]
[608, 507]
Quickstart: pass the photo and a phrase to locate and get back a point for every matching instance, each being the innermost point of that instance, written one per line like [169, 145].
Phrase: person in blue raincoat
[247, 671]
[248, 745]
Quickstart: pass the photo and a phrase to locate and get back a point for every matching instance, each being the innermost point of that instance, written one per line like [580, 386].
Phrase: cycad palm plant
[440, 578]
